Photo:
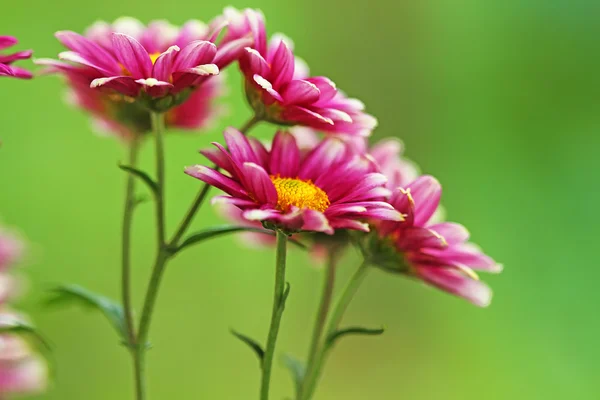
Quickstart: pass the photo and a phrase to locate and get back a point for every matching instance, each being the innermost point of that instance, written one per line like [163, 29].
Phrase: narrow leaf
[297, 369]
[143, 176]
[354, 330]
[254, 345]
[77, 294]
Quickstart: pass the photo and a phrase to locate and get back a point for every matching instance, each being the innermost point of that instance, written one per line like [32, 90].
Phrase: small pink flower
[116, 71]
[6, 61]
[437, 253]
[322, 190]
[21, 370]
[279, 89]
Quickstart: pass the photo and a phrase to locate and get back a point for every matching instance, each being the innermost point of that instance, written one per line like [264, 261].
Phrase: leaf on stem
[253, 344]
[354, 330]
[297, 369]
[216, 231]
[143, 176]
[77, 294]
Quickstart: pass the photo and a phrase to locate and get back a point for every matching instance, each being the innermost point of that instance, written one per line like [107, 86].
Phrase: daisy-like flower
[279, 89]
[117, 71]
[437, 253]
[6, 61]
[325, 189]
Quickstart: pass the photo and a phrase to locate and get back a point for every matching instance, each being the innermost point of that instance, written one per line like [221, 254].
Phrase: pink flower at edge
[6, 61]
[279, 88]
[437, 253]
[326, 189]
[116, 69]
[21, 370]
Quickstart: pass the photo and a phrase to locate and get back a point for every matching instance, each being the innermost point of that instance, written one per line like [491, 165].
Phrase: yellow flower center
[299, 193]
[154, 57]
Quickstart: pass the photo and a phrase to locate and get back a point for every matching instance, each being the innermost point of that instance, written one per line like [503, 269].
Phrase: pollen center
[154, 57]
[299, 193]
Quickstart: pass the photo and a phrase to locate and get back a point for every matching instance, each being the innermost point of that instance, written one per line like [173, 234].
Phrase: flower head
[279, 89]
[118, 71]
[324, 189]
[6, 61]
[437, 253]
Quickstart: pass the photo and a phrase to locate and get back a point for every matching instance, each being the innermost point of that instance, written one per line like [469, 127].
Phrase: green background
[499, 100]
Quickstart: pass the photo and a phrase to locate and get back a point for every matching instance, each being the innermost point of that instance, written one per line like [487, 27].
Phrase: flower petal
[452, 232]
[282, 65]
[196, 53]
[326, 87]
[163, 67]
[132, 55]
[89, 50]
[285, 155]
[300, 92]
[252, 62]
[217, 180]
[426, 192]
[315, 221]
[259, 184]
[229, 52]
[122, 84]
[455, 282]
[7, 41]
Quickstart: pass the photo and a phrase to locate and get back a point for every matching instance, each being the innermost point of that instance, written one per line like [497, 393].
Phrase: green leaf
[144, 177]
[77, 294]
[21, 328]
[297, 369]
[354, 330]
[254, 345]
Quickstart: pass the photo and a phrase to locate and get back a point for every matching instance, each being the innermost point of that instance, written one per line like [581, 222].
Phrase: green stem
[158, 124]
[199, 200]
[317, 337]
[340, 308]
[130, 203]
[278, 307]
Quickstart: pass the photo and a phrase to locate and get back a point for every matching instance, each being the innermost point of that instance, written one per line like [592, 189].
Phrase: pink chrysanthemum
[21, 370]
[6, 61]
[325, 189]
[116, 71]
[437, 253]
[279, 89]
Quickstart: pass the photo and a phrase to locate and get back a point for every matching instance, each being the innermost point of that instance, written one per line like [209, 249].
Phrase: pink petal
[453, 281]
[154, 87]
[300, 92]
[217, 180]
[329, 152]
[194, 54]
[190, 31]
[426, 192]
[305, 116]
[239, 147]
[415, 238]
[346, 223]
[132, 55]
[259, 184]
[89, 50]
[452, 232]
[282, 66]
[218, 158]
[21, 55]
[251, 63]
[7, 41]
[285, 155]
[228, 53]
[163, 67]
[267, 87]
[122, 84]
[5, 70]
[326, 87]
[315, 221]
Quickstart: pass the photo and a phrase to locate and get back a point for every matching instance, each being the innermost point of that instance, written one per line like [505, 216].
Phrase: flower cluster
[6, 61]
[21, 370]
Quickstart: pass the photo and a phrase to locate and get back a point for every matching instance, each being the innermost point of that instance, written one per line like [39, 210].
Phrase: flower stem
[158, 124]
[278, 307]
[340, 308]
[199, 200]
[130, 203]
[317, 337]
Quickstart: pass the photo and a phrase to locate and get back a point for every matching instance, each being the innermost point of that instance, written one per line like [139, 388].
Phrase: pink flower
[279, 89]
[117, 71]
[21, 370]
[325, 189]
[6, 67]
[437, 253]
[388, 155]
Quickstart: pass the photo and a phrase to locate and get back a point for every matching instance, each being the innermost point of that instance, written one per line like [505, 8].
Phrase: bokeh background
[499, 100]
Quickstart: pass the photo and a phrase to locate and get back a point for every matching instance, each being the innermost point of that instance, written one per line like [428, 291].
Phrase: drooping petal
[154, 87]
[455, 282]
[89, 50]
[217, 180]
[316, 221]
[452, 232]
[326, 87]
[415, 238]
[132, 55]
[21, 55]
[122, 84]
[7, 41]
[302, 115]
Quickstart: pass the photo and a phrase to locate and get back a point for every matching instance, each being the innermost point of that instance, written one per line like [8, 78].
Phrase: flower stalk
[314, 371]
[280, 296]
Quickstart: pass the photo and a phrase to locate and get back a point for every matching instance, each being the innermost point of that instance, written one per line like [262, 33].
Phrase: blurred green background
[499, 100]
